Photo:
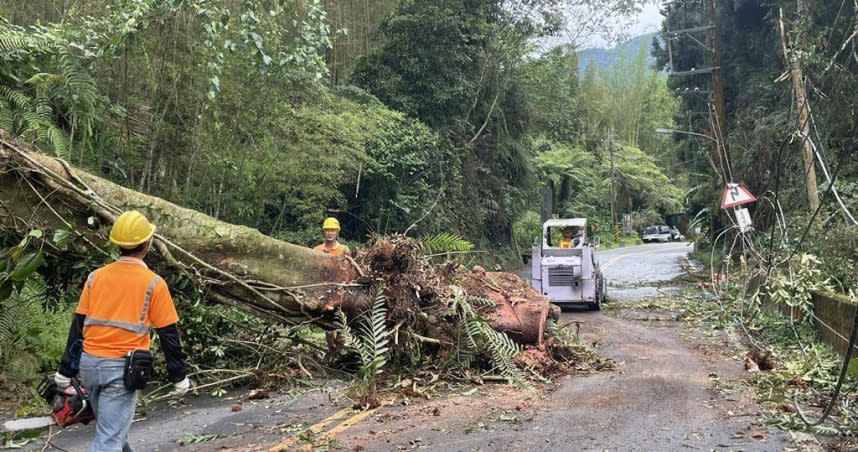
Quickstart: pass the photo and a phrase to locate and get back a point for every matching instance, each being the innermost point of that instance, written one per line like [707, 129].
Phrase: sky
[648, 21]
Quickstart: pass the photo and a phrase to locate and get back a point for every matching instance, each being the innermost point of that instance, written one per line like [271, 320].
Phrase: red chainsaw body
[71, 407]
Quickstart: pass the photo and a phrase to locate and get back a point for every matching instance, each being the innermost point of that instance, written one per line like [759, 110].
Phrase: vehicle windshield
[555, 235]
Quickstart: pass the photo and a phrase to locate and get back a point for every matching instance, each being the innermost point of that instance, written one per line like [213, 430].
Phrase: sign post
[734, 196]
[744, 219]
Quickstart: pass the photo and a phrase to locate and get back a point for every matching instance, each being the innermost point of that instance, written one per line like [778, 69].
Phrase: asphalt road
[638, 272]
[674, 388]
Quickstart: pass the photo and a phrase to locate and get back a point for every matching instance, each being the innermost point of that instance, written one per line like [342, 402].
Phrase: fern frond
[504, 350]
[374, 335]
[825, 430]
[551, 328]
[7, 118]
[474, 330]
[500, 346]
[58, 140]
[444, 242]
[342, 327]
[13, 42]
[15, 97]
[481, 302]
[81, 93]
[43, 110]
[44, 82]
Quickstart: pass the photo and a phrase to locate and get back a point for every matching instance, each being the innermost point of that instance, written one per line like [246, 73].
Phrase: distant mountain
[605, 58]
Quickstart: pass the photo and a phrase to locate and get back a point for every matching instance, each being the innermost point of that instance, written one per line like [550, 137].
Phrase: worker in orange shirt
[567, 240]
[119, 304]
[331, 232]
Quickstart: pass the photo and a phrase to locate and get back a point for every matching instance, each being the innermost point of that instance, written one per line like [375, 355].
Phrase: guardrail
[833, 314]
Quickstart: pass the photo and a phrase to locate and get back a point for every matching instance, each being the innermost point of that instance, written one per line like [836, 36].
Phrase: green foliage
[575, 119]
[793, 283]
[19, 263]
[479, 337]
[552, 91]
[43, 84]
[527, 229]
[369, 340]
[32, 336]
[642, 182]
[444, 242]
[482, 337]
[569, 168]
[453, 66]
[372, 338]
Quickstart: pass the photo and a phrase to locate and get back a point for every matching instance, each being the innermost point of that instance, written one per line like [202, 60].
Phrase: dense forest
[374, 112]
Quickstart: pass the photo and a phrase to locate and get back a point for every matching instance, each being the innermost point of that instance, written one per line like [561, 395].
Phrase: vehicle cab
[565, 267]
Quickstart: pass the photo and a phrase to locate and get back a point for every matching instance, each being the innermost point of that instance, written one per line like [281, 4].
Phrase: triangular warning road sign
[736, 195]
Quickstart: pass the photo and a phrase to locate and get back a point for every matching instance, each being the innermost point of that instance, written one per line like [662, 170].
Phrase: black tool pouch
[138, 369]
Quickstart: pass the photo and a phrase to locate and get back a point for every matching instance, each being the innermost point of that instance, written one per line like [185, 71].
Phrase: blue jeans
[113, 404]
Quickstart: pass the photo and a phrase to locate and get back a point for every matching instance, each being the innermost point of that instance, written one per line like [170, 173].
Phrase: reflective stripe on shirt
[140, 328]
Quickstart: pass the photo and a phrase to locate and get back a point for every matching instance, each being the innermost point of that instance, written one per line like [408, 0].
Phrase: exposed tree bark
[803, 120]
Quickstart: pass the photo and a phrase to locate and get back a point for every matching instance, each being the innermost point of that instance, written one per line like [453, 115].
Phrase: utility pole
[613, 180]
[803, 117]
[719, 121]
[718, 90]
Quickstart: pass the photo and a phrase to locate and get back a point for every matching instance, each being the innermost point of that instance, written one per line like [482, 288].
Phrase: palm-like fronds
[60, 87]
[481, 302]
[373, 337]
[501, 347]
[370, 338]
[482, 337]
[444, 242]
[10, 42]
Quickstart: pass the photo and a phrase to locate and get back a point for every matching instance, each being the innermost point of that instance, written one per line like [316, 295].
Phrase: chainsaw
[69, 406]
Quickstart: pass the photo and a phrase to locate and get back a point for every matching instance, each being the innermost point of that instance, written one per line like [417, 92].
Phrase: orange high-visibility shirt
[566, 243]
[121, 302]
[338, 250]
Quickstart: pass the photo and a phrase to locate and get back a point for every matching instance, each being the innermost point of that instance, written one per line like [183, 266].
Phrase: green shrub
[32, 336]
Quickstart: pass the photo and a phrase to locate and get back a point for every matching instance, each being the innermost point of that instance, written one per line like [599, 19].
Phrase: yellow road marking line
[614, 260]
[611, 262]
[315, 428]
[343, 426]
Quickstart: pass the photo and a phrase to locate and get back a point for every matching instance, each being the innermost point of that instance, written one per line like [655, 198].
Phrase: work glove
[180, 388]
[62, 381]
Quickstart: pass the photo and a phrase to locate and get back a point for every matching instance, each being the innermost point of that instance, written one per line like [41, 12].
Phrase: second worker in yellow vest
[331, 232]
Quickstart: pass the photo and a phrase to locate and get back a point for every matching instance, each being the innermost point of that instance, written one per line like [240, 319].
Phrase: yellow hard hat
[131, 229]
[331, 223]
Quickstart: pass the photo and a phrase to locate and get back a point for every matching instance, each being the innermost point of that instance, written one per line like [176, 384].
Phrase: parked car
[656, 233]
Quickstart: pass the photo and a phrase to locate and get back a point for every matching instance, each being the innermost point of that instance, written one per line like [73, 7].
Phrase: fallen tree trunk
[241, 267]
